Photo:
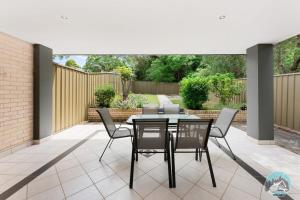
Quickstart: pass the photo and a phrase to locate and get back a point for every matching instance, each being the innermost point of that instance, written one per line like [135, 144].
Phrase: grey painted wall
[260, 92]
[43, 78]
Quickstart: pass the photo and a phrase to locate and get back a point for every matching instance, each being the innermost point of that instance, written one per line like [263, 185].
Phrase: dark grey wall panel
[260, 92]
[43, 78]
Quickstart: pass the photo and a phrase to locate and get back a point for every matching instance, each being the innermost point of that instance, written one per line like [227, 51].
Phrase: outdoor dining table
[173, 118]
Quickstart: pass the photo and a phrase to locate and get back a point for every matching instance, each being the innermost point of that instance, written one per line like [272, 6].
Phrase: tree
[126, 74]
[98, 63]
[224, 86]
[72, 63]
[287, 56]
[212, 64]
[142, 64]
[172, 68]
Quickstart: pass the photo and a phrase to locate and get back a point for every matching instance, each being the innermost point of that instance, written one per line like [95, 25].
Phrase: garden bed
[241, 116]
[122, 115]
[116, 113]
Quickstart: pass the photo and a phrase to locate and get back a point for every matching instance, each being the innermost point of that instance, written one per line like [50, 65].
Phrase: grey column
[260, 92]
[43, 78]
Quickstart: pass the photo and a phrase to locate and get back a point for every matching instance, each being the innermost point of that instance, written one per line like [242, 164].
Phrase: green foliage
[133, 101]
[224, 86]
[212, 64]
[72, 63]
[126, 74]
[104, 96]
[172, 68]
[98, 63]
[287, 56]
[142, 64]
[194, 91]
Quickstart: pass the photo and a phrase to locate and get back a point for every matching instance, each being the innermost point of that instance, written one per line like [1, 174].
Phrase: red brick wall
[16, 92]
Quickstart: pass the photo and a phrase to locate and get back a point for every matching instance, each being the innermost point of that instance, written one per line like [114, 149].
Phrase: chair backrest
[171, 108]
[225, 119]
[192, 133]
[150, 109]
[150, 133]
[107, 121]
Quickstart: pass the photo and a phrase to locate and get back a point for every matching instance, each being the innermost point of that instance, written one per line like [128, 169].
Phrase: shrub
[104, 96]
[194, 91]
[225, 87]
[133, 101]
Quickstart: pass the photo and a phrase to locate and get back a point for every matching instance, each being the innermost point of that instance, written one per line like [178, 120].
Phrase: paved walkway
[163, 99]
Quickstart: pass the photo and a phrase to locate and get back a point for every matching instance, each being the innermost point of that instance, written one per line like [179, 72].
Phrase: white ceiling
[150, 26]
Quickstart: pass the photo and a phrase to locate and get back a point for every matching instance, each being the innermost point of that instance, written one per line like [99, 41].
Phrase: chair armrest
[215, 127]
[126, 128]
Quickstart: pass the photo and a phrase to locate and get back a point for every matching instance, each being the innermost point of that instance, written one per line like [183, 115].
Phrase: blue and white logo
[278, 184]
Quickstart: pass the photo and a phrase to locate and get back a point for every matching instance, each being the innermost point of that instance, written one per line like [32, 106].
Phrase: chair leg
[104, 150]
[169, 168]
[111, 143]
[136, 156]
[218, 143]
[173, 164]
[211, 169]
[200, 155]
[131, 169]
[233, 156]
[196, 154]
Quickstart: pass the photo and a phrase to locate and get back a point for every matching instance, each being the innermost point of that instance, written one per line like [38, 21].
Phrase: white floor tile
[90, 193]
[124, 194]
[42, 184]
[53, 193]
[144, 185]
[75, 185]
[196, 193]
[110, 185]
[162, 193]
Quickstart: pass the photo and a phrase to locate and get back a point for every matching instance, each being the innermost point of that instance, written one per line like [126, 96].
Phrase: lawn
[151, 98]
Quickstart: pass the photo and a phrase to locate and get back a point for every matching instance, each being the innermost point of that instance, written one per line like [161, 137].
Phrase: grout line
[60, 183]
[13, 189]
[93, 183]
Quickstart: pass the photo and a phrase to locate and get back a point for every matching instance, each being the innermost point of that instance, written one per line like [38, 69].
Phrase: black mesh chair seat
[191, 137]
[150, 134]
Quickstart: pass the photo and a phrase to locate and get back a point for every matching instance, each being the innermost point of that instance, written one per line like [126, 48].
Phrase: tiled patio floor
[80, 175]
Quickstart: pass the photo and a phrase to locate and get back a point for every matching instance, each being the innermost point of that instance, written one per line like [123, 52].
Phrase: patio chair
[221, 127]
[112, 130]
[192, 134]
[149, 109]
[150, 134]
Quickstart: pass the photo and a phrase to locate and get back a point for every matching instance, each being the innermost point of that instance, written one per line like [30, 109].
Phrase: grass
[151, 98]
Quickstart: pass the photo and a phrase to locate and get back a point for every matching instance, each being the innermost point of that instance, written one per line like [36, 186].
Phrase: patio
[71, 170]
[49, 150]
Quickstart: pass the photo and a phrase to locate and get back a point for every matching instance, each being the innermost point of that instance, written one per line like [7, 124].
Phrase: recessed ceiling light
[222, 17]
[63, 17]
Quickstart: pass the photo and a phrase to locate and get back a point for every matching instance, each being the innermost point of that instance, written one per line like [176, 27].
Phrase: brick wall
[16, 92]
